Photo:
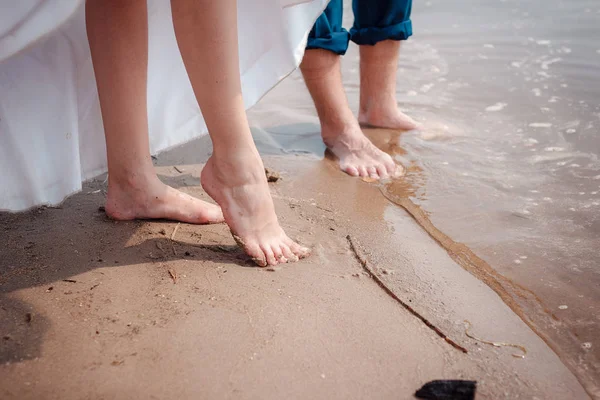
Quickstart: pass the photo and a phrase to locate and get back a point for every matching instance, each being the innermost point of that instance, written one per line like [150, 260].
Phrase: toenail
[260, 262]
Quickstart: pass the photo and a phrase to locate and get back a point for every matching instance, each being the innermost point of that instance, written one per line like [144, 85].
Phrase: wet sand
[92, 308]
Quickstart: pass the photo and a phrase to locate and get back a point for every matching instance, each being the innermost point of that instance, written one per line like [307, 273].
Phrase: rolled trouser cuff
[336, 42]
[374, 35]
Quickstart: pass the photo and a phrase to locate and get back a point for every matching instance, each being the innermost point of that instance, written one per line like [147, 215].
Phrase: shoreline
[479, 268]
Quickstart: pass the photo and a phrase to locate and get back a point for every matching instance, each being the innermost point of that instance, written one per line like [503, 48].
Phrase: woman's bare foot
[152, 199]
[387, 117]
[357, 155]
[239, 185]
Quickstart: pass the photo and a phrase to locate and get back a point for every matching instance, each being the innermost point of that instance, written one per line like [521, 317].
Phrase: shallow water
[509, 92]
[513, 169]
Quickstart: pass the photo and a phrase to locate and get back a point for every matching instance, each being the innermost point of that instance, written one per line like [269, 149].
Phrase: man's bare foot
[239, 185]
[378, 74]
[356, 154]
[387, 117]
[152, 199]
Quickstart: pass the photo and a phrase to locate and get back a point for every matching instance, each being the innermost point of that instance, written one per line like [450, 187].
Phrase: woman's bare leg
[234, 175]
[118, 35]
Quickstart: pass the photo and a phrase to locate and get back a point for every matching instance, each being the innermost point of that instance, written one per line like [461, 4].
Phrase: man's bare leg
[234, 176]
[378, 106]
[118, 35]
[339, 128]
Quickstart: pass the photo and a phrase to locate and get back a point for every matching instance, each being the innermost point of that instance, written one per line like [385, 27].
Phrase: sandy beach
[97, 309]
[491, 275]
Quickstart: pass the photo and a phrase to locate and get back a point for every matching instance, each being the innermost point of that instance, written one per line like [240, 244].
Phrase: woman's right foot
[239, 185]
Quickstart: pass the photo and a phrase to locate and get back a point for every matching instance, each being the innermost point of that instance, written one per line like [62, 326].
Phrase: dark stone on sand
[448, 390]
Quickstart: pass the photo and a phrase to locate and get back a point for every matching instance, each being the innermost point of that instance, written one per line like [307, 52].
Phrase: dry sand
[96, 309]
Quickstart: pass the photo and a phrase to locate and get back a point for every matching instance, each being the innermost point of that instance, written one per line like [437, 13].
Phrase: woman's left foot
[149, 198]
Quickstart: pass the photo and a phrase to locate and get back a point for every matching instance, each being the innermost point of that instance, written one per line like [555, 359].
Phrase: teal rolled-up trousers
[374, 21]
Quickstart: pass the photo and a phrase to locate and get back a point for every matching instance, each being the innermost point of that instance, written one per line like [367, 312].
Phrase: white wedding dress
[51, 134]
